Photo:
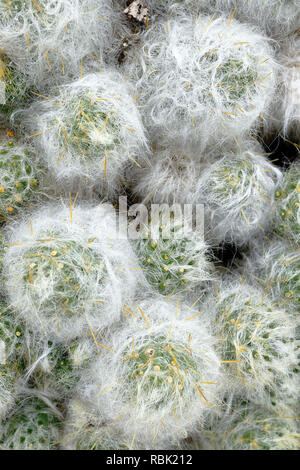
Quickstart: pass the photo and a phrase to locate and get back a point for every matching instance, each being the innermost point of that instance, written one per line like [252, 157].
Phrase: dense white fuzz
[67, 271]
[84, 431]
[32, 426]
[277, 18]
[20, 176]
[49, 39]
[169, 177]
[257, 338]
[201, 80]
[173, 255]
[246, 426]
[160, 377]
[90, 135]
[287, 221]
[279, 268]
[238, 194]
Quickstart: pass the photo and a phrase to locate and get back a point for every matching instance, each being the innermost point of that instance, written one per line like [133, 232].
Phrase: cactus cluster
[149, 225]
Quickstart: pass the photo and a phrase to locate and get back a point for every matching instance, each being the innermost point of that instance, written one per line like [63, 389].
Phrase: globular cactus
[238, 194]
[200, 79]
[280, 270]
[94, 132]
[287, 222]
[20, 177]
[82, 431]
[175, 261]
[160, 376]
[258, 341]
[67, 271]
[246, 426]
[49, 39]
[33, 425]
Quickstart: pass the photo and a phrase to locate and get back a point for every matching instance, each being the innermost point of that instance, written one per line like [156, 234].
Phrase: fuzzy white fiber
[93, 132]
[169, 177]
[246, 426]
[46, 38]
[20, 176]
[238, 193]
[277, 18]
[202, 80]
[287, 221]
[259, 340]
[154, 377]
[67, 271]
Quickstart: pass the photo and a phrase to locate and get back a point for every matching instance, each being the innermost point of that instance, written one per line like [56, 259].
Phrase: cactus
[93, 134]
[155, 366]
[238, 193]
[16, 91]
[287, 223]
[65, 275]
[19, 179]
[257, 339]
[175, 263]
[32, 426]
[197, 79]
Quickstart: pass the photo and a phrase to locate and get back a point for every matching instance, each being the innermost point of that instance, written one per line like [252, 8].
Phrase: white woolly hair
[278, 269]
[20, 176]
[32, 425]
[84, 431]
[238, 193]
[278, 18]
[286, 110]
[200, 79]
[50, 39]
[93, 132]
[177, 261]
[287, 221]
[170, 177]
[257, 338]
[246, 426]
[67, 270]
[154, 377]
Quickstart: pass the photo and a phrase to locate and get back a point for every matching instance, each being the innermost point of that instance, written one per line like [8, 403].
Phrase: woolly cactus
[248, 427]
[14, 86]
[170, 177]
[33, 426]
[92, 134]
[281, 272]
[11, 365]
[46, 37]
[257, 339]
[69, 272]
[176, 263]
[200, 78]
[287, 223]
[238, 192]
[19, 178]
[84, 432]
[161, 374]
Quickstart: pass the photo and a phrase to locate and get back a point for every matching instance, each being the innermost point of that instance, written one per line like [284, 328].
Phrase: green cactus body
[159, 364]
[18, 181]
[33, 426]
[60, 265]
[173, 264]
